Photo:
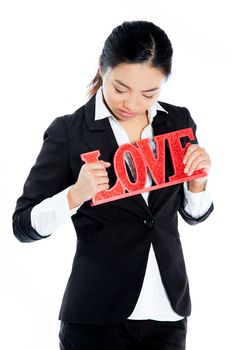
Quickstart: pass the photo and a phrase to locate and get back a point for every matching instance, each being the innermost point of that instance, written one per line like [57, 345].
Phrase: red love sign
[143, 159]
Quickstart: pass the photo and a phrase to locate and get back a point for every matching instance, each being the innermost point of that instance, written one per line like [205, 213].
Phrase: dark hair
[134, 42]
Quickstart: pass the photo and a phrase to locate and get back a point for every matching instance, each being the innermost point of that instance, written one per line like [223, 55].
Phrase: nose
[130, 104]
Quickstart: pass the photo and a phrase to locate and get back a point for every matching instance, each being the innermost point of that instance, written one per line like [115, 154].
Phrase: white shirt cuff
[197, 203]
[51, 213]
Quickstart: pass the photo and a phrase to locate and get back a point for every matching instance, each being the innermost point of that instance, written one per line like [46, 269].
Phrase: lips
[125, 114]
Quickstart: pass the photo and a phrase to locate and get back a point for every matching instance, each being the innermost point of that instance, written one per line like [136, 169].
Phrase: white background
[49, 53]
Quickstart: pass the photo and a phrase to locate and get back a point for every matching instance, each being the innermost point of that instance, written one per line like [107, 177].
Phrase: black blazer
[113, 239]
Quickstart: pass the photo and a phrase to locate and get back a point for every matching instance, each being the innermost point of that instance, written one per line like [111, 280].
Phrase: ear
[100, 69]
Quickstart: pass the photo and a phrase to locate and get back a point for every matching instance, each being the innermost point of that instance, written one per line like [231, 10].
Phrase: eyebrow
[121, 83]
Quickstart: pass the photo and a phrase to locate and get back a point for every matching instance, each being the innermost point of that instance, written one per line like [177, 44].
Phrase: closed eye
[148, 96]
[122, 92]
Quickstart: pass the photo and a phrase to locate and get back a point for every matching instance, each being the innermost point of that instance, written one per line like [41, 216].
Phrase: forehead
[136, 75]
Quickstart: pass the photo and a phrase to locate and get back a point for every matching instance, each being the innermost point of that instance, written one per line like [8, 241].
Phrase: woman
[128, 288]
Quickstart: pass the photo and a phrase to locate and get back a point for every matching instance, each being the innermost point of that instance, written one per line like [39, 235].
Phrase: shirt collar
[101, 111]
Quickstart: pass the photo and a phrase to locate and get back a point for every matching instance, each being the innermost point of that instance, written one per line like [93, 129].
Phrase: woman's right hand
[93, 178]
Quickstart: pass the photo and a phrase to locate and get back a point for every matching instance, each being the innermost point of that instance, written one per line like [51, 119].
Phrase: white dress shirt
[52, 212]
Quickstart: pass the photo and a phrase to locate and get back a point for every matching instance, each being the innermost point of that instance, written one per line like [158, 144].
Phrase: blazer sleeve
[50, 174]
[188, 218]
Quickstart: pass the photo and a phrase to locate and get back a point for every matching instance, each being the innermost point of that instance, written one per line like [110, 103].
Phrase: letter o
[121, 170]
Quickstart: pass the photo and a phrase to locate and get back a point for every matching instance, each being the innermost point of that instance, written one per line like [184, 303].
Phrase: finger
[102, 180]
[102, 187]
[199, 152]
[94, 179]
[189, 150]
[94, 183]
[106, 164]
[192, 164]
[95, 166]
[197, 164]
[203, 165]
[193, 152]
[99, 172]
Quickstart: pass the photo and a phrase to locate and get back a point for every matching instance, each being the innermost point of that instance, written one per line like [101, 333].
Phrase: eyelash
[121, 92]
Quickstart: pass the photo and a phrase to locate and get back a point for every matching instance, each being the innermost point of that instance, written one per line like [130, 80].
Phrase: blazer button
[148, 222]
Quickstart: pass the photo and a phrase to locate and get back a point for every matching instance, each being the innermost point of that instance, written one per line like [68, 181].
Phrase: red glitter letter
[102, 196]
[120, 168]
[177, 152]
[155, 165]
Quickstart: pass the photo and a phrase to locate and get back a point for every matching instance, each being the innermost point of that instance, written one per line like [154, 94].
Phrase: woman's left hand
[196, 158]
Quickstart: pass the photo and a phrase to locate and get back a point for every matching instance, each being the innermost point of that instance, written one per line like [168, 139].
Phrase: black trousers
[128, 335]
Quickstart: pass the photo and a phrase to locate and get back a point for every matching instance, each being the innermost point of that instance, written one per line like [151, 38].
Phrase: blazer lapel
[162, 124]
[99, 136]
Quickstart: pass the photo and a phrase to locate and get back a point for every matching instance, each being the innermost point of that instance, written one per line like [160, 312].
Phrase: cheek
[145, 104]
[151, 101]
[114, 100]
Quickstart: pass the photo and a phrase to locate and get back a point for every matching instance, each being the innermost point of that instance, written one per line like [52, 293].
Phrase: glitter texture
[143, 158]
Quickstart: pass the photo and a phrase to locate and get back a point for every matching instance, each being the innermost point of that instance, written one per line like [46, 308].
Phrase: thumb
[106, 164]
